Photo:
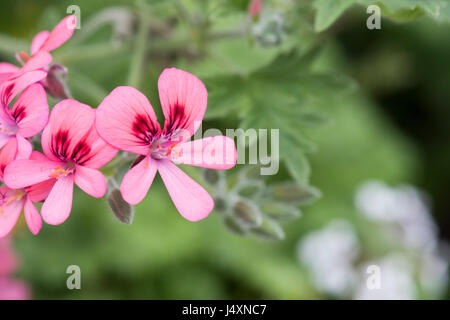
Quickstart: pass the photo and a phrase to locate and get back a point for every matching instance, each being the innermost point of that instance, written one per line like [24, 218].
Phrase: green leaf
[285, 94]
[328, 11]
[406, 10]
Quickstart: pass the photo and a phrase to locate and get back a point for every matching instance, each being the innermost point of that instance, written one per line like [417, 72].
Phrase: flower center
[6, 200]
[59, 171]
[162, 148]
[9, 129]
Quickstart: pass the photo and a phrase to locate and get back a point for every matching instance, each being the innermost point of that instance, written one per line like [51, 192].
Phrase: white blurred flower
[404, 208]
[329, 255]
[269, 30]
[397, 280]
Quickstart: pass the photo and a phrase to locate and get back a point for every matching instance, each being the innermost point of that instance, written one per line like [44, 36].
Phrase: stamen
[58, 172]
[169, 150]
[17, 196]
[5, 201]
[24, 56]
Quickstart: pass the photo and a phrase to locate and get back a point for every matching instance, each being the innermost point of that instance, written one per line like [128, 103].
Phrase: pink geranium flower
[6, 71]
[12, 201]
[73, 153]
[41, 46]
[126, 120]
[8, 260]
[11, 289]
[255, 8]
[45, 42]
[28, 115]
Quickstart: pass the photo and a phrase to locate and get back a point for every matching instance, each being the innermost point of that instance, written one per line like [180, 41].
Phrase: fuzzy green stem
[141, 47]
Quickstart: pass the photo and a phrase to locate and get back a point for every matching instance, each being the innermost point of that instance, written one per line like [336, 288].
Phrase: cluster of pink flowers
[10, 288]
[77, 140]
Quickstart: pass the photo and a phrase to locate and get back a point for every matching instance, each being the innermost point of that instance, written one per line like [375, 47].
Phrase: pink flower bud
[55, 82]
[255, 8]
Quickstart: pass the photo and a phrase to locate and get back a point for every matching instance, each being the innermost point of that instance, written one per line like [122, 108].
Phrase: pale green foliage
[284, 95]
[327, 12]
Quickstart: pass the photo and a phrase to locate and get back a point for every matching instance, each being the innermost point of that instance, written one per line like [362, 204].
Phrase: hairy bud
[247, 213]
[268, 230]
[55, 82]
[211, 176]
[234, 226]
[280, 211]
[293, 193]
[123, 211]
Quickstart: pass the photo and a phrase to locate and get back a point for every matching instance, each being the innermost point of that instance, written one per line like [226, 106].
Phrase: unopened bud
[247, 213]
[268, 230]
[255, 8]
[123, 211]
[279, 211]
[220, 204]
[293, 193]
[234, 226]
[250, 189]
[211, 176]
[55, 82]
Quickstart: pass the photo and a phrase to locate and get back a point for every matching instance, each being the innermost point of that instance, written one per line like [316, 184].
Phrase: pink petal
[6, 67]
[90, 181]
[9, 211]
[16, 148]
[14, 85]
[11, 289]
[7, 155]
[217, 152]
[38, 41]
[22, 173]
[32, 217]
[69, 123]
[101, 152]
[126, 120]
[4, 139]
[31, 110]
[191, 200]
[24, 147]
[57, 206]
[5, 76]
[6, 71]
[183, 99]
[60, 34]
[36, 155]
[40, 191]
[70, 135]
[8, 260]
[255, 8]
[137, 181]
[39, 61]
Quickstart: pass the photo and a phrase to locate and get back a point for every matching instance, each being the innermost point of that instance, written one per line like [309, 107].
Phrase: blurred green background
[382, 100]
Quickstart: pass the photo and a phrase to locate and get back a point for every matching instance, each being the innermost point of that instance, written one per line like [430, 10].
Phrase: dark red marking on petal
[144, 128]
[6, 94]
[136, 162]
[60, 144]
[81, 153]
[178, 119]
[19, 113]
